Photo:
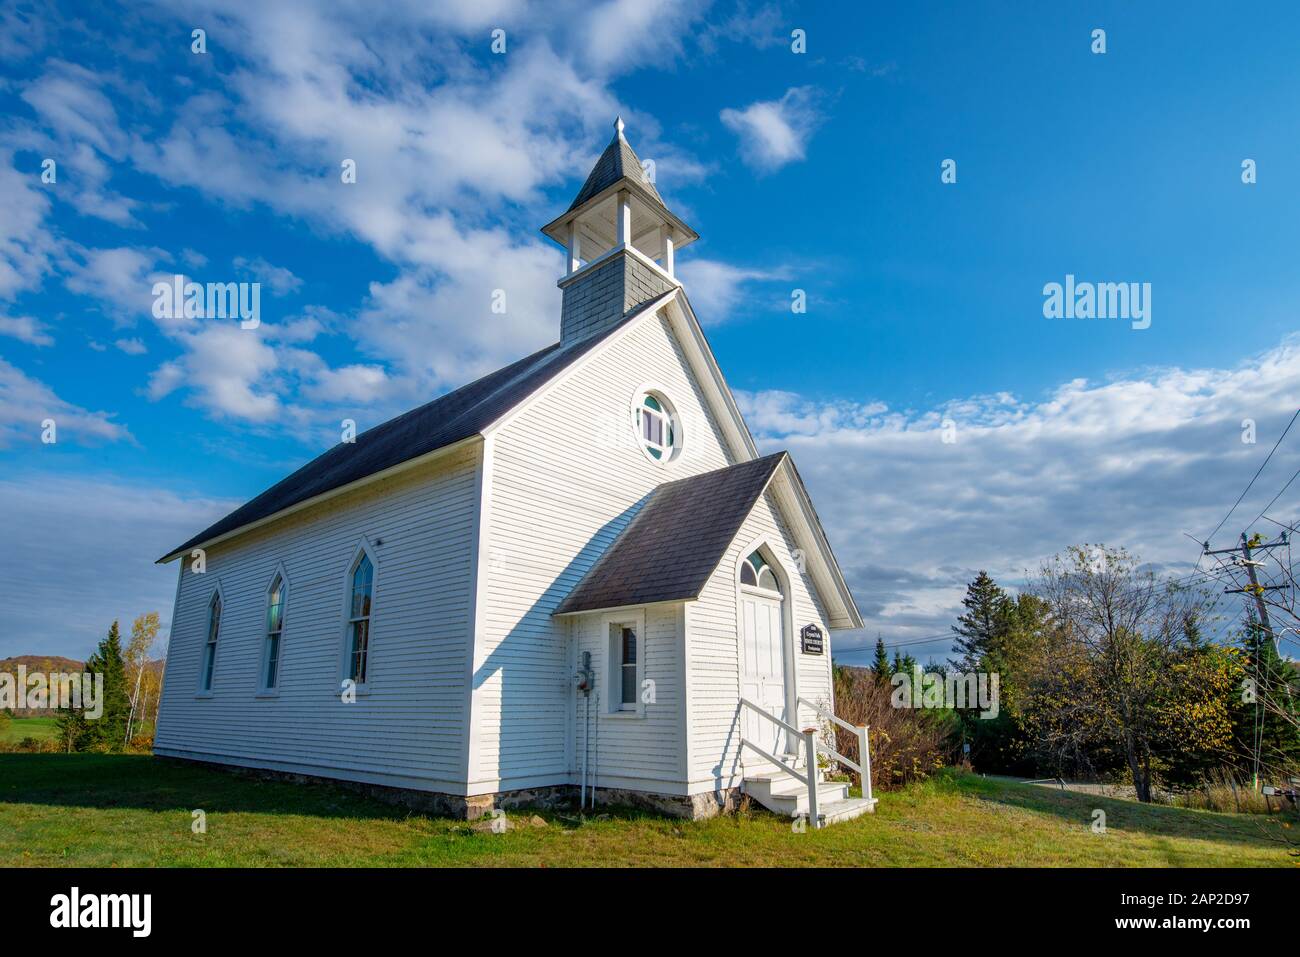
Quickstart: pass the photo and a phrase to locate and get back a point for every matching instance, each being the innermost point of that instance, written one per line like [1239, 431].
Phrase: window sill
[203, 694]
[267, 693]
[625, 715]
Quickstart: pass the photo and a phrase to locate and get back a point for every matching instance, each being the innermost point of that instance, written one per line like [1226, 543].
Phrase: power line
[1276, 497]
[897, 644]
[1257, 474]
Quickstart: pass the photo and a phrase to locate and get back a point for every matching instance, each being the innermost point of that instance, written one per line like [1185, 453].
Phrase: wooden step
[782, 794]
[846, 810]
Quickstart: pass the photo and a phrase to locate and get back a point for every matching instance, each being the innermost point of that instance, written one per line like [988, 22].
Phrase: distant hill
[40, 663]
[43, 663]
[55, 664]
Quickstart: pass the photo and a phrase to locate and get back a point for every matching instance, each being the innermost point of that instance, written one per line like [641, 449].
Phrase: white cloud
[132, 347]
[619, 35]
[119, 279]
[452, 152]
[1136, 461]
[25, 329]
[78, 126]
[26, 246]
[430, 161]
[364, 384]
[438, 326]
[717, 288]
[26, 402]
[774, 133]
[227, 371]
[281, 281]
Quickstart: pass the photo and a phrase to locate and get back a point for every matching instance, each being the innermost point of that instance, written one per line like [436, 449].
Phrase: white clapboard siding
[409, 728]
[713, 653]
[639, 751]
[566, 475]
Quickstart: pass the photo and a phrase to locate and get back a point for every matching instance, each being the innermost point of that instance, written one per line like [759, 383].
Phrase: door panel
[763, 679]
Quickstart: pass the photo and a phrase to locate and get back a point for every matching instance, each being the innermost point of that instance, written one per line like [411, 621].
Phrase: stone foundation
[693, 807]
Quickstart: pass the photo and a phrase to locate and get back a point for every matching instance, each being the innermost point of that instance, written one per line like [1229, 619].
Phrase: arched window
[363, 577]
[210, 646]
[274, 629]
[757, 573]
[657, 426]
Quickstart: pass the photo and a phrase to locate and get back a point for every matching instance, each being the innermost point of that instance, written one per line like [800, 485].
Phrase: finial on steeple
[618, 125]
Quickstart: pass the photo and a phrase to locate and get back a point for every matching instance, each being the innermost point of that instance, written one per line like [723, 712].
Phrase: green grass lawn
[16, 729]
[135, 810]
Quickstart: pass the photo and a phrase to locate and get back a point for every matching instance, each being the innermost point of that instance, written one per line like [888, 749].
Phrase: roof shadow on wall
[535, 708]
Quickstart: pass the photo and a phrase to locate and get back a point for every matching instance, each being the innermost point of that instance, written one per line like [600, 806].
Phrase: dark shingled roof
[617, 161]
[447, 419]
[673, 544]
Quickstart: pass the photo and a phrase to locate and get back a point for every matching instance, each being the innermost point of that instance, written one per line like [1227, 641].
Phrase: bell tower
[620, 241]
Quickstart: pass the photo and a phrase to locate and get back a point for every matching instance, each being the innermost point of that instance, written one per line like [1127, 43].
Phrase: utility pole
[1256, 590]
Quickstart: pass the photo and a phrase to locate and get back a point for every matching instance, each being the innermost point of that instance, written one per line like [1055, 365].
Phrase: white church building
[575, 577]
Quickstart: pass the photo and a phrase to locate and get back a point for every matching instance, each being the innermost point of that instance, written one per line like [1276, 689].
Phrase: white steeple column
[575, 248]
[624, 217]
[666, 234]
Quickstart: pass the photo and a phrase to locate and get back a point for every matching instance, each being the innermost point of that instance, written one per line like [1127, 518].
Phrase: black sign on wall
[814, 642]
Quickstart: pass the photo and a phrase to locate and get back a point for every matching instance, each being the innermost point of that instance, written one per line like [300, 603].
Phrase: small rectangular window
[272, 659]
[357, 656]
[628, 644]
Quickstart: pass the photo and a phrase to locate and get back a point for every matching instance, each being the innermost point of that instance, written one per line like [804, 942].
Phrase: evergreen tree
[880, 667]
[998, 635]
[1272, 721]
[107, 732]
[978, 631]
[72, 726]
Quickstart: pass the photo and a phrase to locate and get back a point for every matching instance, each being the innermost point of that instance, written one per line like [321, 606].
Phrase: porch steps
[782, 794]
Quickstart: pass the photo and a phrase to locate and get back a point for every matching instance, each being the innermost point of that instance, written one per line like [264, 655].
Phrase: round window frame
[660, 395]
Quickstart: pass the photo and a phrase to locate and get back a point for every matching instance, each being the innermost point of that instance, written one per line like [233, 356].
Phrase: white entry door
[763, 679]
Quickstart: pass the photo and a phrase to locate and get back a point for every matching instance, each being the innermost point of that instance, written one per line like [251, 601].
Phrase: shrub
[906, 744]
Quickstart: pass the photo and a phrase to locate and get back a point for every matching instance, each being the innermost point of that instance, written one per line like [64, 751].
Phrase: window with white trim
[363, 578]
[274, 630]
[755, 572]
[625, 666]
[210, 646]
[657, 427]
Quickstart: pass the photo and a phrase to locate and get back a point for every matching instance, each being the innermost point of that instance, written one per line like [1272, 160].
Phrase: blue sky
[817, 171]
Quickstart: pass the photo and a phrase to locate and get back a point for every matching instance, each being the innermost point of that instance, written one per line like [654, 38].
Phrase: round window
[657, 427]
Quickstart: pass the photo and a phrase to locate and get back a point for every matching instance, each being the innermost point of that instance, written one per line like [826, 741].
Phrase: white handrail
[770, 716]
[777, 761]
[864, 746]
[810, 746]
[842, 758]
[829, 715]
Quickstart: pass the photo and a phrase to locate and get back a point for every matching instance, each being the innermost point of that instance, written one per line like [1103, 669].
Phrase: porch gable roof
[672, 545]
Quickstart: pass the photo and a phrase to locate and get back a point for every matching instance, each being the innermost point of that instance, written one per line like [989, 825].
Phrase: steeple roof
[618, 161]
[618, 169]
